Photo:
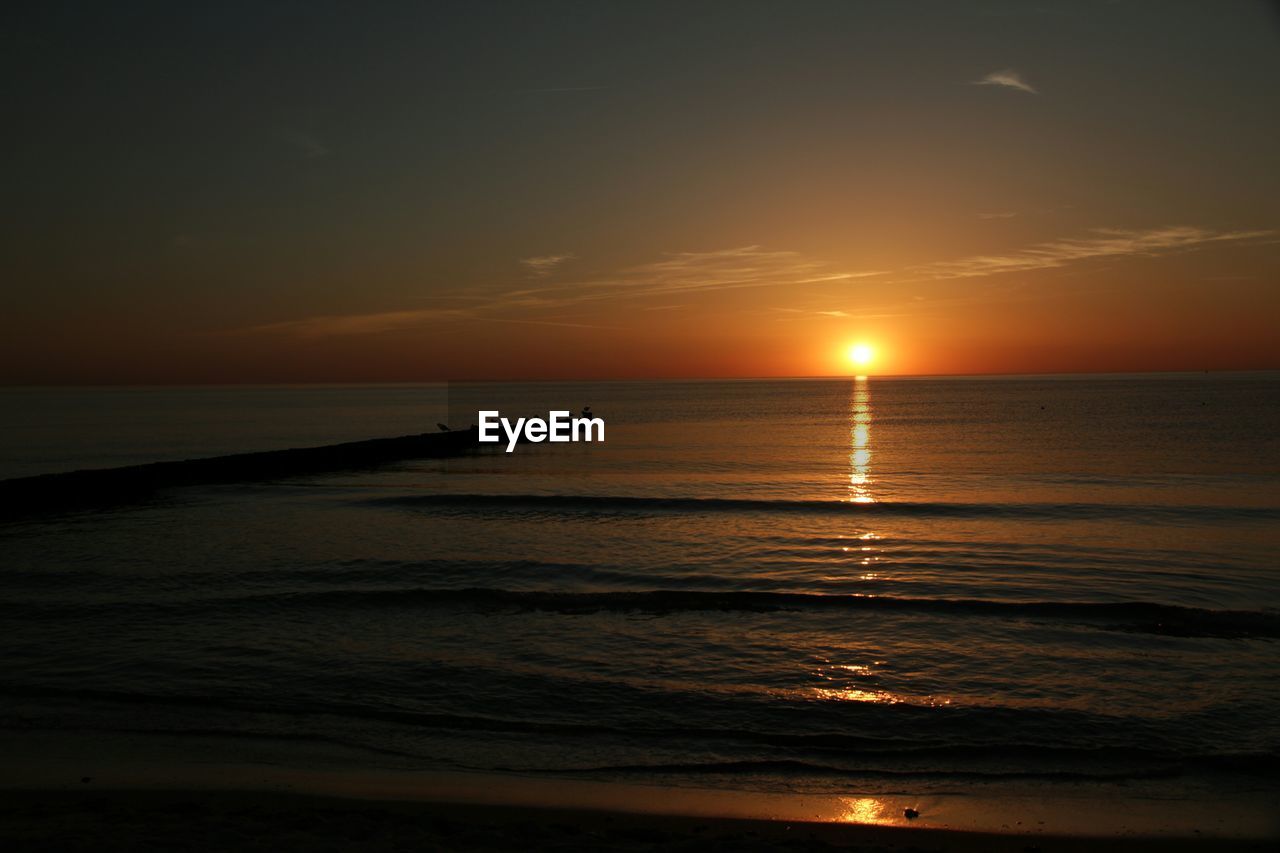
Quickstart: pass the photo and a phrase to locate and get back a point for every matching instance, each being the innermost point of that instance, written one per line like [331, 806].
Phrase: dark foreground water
[804, 585]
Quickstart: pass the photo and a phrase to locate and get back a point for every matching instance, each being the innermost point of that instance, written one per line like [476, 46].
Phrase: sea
[868, 585]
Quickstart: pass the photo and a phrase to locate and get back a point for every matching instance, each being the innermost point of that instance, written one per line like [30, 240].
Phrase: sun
[861, 354]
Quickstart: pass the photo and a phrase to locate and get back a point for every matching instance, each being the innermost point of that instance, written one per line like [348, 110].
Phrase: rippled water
[823, 585]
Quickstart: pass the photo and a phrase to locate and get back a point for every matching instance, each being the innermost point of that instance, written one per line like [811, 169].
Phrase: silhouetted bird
[443, 427]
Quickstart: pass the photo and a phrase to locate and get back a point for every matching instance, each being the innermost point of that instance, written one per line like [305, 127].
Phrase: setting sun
[861, 354]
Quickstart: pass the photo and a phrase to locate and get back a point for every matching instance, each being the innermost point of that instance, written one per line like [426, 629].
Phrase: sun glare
[861, 354]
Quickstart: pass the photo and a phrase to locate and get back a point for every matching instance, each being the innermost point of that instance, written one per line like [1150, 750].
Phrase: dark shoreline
[97, 488]
[204, 820]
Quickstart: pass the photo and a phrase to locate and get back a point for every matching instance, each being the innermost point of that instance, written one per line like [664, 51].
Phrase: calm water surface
[869, 585]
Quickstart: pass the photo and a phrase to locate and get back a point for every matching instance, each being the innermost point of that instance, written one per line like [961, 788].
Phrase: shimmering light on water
[860, 454]
[868, 810]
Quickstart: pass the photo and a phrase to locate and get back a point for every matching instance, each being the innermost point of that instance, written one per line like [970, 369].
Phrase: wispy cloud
[305, 144]
[674, 274]
[878, 312]
[561, 323]
[1007, 78]
[724, 269]
[1101, 243]
[545, 265]
[344, 325]
[680, 273]
[559, 89]
[337, 325]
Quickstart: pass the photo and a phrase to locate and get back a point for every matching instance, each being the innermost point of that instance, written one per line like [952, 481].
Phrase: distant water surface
[855, 585]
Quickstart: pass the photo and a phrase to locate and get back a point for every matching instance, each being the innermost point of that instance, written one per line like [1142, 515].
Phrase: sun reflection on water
[866, 810]
[860, 450]
[858, 682]
[854, 694]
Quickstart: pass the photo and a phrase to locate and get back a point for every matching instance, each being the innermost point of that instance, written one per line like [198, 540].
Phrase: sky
[314, 192]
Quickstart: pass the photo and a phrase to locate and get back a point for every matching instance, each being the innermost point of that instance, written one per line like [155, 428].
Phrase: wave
[1130, 616]
[1136, 616]
[627, 504]
[807, 769]
[951, 748]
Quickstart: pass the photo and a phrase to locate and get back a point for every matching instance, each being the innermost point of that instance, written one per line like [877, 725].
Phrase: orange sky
[543, 193]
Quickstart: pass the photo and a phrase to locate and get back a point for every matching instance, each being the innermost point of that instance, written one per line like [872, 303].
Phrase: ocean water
[865, 585]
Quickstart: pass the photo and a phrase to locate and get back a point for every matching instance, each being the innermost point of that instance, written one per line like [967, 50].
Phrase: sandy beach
[62, 791]
[243, 820]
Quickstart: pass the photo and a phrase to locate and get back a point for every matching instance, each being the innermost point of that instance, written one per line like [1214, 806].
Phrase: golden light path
[868, 810]
[860, 451]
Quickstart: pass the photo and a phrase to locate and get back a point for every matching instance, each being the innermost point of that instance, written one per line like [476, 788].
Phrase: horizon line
[808, 377]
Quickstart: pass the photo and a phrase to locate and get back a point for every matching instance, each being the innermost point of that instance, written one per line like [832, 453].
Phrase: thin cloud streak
[1008, 79]
[307, 145]
[1105, 243]
[684, 273]
[544, 265]
[556, 89]
[676, 273]
[883, 311]
[342, 325]
[562, 323]
[337, 325]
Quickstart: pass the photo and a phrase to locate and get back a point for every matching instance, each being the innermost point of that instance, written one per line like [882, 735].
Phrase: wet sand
[81, 791]
[122, 820]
